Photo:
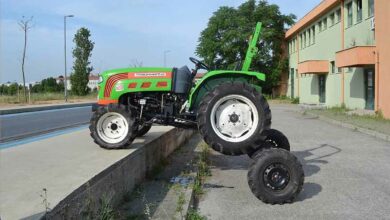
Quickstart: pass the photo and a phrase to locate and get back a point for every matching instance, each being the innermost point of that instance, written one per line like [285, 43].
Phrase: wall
[309, 92]
[354, 89]
[382, 31]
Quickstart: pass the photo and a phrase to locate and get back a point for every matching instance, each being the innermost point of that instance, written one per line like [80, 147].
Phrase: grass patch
[281, 99]
[42, 97]
[194, 215]
[374, 122]
[203, 169]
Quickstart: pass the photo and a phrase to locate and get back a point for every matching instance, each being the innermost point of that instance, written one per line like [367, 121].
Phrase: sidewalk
[60, 165]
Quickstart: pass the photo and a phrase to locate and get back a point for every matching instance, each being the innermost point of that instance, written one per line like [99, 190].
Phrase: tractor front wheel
[112, 126]
[232, 117]
[275, 176]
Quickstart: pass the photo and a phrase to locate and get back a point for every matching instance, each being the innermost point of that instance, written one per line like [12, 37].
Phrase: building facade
[339, 55]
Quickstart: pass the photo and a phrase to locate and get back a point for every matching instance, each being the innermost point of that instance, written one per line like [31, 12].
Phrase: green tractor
[226, 106]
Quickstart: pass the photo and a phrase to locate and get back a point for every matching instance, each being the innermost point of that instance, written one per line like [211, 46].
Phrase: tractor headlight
[100, 79]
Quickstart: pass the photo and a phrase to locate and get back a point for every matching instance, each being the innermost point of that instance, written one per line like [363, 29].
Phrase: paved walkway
[59, 164]
[347, 175]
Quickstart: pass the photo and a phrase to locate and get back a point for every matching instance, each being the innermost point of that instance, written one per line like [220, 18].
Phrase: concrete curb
[109, 186]
[352, 127]
[42, 108]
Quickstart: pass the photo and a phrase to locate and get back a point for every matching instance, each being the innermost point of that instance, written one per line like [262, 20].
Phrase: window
[338, 14]
[304, 39]
[359, 13]
[370, 8]
[309, 40]
[320, 26]
[339, 69]
[332, 67]
[349, 14]
[301, 41]
[314, 34]
[325, 23]
[331, 18]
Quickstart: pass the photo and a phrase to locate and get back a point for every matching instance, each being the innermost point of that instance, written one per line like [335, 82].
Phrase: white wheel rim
[234, 118]
[112, 127]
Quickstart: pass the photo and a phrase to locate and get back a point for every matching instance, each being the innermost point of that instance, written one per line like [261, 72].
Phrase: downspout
[297, 72]
[342, 48]
[376, 81]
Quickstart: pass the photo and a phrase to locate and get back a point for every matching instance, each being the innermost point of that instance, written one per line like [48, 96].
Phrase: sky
[125, 32]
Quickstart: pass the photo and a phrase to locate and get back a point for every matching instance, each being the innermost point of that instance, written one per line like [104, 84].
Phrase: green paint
[125, 82]
[252, 49]
[214, 78]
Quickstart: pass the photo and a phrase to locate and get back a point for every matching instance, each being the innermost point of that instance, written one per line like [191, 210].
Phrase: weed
[45, 202]
[106, 211]
[295, 101]
[194, 215]
[203, 169]
[180, 202]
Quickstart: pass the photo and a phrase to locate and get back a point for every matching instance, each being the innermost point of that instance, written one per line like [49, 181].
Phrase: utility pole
[65, 79]
[165, 57]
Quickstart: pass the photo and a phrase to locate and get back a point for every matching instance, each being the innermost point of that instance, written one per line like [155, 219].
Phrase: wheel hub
[276, 176]
[112, 127]
[234, 118]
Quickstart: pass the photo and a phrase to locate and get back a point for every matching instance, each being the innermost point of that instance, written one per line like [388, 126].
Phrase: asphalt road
[347, 175]
[16, 126]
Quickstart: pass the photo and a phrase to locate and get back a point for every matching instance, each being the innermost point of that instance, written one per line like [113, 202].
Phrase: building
[339, 54]
[92, 83]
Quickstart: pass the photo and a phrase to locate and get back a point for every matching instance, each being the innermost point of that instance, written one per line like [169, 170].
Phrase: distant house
[92, 83]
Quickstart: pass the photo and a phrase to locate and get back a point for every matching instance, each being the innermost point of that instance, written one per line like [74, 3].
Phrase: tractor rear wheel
[232, 117]
[275, 176]
[112, 126]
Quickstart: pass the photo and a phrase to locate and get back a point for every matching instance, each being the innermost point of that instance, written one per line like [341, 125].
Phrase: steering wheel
[199, 64]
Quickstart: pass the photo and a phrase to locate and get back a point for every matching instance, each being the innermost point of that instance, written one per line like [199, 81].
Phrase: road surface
[16, 126]
[347, 175]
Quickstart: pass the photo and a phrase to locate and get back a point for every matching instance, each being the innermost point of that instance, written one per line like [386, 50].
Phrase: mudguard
[213, 78]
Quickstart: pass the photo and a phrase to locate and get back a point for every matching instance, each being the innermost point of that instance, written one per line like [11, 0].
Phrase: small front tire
[273, 138]
[112, 126]
[275, 176]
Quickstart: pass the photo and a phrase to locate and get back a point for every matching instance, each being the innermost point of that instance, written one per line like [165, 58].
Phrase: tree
[81, 65]
[25, 25]
[224, 42]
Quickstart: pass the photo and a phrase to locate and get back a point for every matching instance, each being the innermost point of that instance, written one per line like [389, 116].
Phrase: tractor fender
[214, 78]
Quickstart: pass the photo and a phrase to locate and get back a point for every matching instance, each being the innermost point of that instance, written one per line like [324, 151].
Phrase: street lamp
[65, 83]
[165, 57]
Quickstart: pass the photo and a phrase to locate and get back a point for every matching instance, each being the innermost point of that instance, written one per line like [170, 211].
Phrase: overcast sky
[123, 31]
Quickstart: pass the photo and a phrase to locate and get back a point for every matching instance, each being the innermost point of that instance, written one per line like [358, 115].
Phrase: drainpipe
[376, 80]
[297, 72]
[342, 48]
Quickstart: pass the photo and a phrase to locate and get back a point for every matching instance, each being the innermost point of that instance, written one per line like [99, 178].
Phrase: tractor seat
[182, 80]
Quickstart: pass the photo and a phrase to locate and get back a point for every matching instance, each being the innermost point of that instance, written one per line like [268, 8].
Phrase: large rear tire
[275, 176]
[112, 126]
[232, 117]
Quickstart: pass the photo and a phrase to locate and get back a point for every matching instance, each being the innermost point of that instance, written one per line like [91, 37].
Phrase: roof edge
[316, 12]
